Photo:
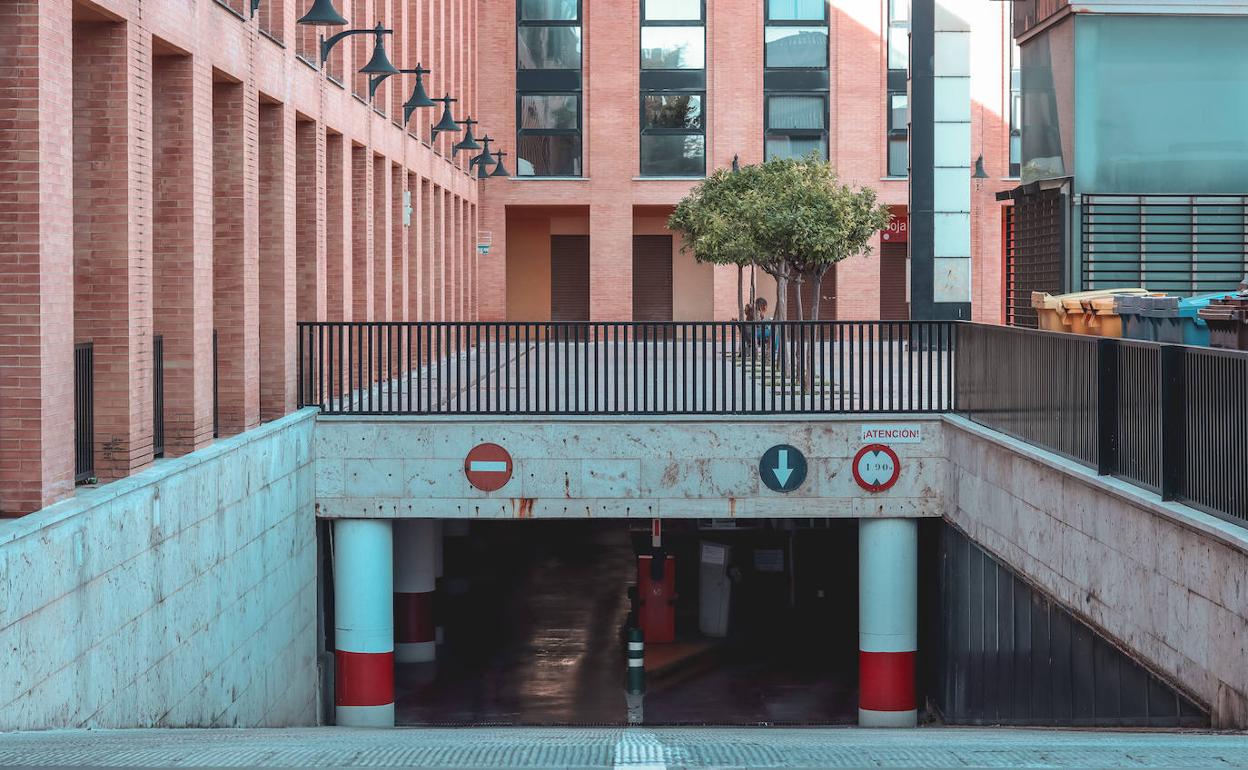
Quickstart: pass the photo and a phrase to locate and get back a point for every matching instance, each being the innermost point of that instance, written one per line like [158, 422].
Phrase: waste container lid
[1188, 307]
[1042, 300]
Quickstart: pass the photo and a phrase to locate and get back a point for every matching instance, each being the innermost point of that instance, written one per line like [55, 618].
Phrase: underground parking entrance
[745, 623]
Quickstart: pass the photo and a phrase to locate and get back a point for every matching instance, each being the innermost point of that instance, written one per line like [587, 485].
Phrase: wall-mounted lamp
[484, 160]
[468, 142]
[379, 64]
[980, 174]
[375, 81]
[447, 122]
[321, 14]
[255, 6]
[499, 168]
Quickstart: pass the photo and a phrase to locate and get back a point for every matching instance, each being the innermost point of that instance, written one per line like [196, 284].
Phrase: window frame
[579, 92]
[794, 22]
[797, 133]
[577, 132]
[578, 22]
[643, 130]
[676, 89]
[672, 22]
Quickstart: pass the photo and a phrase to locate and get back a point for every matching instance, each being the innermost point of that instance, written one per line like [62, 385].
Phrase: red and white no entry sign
[876, 467]
[488, 467]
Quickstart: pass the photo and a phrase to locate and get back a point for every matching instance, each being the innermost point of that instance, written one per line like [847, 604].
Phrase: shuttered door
[827, 298]
[569, 277]
[652, 277]
[893, 304]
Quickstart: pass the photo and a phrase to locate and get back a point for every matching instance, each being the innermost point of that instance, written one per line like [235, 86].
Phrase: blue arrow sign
[782, 468]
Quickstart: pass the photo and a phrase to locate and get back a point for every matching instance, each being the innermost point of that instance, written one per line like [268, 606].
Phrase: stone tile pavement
[613, 747]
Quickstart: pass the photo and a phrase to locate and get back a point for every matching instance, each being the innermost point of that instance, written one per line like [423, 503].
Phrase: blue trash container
[1181, 324]
[1136, 323]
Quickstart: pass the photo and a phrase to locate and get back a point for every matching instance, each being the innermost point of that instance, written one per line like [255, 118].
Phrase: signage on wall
[898, 230]
[892, 433]
[876, 467]
[488, 467]
[783, 468]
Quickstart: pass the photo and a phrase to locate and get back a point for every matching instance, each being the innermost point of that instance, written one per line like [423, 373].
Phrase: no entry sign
[876, 467]
[488, 467]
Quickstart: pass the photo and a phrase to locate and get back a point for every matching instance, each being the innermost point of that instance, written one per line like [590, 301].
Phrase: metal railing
[626, 368]
[1169, 418]
[158, 396]
[84, 411]
[1177, 244]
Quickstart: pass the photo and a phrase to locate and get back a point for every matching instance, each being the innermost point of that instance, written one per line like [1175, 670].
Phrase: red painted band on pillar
[363, 678]
[413, 617]
[886, 681]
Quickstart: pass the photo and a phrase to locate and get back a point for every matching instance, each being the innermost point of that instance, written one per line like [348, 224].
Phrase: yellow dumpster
[1065, 313]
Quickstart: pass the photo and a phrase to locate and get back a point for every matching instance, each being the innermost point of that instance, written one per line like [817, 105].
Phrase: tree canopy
[791, 218]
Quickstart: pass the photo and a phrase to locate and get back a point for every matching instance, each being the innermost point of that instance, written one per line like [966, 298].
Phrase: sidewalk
[637, 749]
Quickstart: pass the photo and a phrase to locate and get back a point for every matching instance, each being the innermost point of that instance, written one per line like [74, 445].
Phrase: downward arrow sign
[783, 471]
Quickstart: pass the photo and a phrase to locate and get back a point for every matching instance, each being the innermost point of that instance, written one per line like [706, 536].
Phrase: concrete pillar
[415, 578]
[363, 623]
[888, 555]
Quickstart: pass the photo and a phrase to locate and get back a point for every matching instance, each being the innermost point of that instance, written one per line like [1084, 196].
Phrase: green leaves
[790, 217]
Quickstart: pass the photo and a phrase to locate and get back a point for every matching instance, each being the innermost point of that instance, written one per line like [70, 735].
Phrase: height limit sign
[783, 468]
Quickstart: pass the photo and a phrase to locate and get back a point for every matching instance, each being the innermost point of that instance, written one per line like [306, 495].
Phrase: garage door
[569, 277]
[652, 277]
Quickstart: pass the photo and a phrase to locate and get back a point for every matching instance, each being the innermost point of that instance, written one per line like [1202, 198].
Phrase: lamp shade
[418, 98]
[980, 173]
[499, 168]
[447, 123]
[322, 14]
[380, 63]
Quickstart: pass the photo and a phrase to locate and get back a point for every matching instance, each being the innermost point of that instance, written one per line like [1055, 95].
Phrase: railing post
[1173, 424]
[1106, 406]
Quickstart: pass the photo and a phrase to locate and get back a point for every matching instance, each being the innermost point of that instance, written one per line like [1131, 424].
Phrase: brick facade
[177, 168]
[618, 200]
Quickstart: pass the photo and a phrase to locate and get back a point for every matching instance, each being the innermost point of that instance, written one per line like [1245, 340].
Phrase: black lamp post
[469, 142]
[499, 168]
[379, 64]
[447, 122]
[322, 14]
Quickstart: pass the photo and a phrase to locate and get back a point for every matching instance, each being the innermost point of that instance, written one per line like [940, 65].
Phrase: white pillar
[363, 623]
[888, 618]
[415, 564]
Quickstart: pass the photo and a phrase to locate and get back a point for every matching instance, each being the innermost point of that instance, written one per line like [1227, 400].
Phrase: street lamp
[499, 168]
[447, 122]
[484, 160]
[379, 64]
[322, 14]
[468, 142]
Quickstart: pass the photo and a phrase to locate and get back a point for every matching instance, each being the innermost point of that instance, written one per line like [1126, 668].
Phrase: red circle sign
[876, 467]
[488, 467]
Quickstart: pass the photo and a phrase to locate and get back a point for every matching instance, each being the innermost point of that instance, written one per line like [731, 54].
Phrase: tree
[710, 219]
[792, 218]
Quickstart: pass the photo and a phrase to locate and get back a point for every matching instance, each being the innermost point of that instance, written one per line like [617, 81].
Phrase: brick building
[180, 182]
[620, 106]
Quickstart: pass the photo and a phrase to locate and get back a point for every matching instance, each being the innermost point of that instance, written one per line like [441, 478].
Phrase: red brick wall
[169, 169]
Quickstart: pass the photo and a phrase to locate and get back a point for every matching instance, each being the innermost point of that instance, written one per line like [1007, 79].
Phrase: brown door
[569, 277]
[893, 304]
[827, 298]
[652, 277]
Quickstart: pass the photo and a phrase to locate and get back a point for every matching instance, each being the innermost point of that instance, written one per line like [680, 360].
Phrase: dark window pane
[898, 111]
[549, 48]
[673, 10]
[797, 46]
[548, 111]
[673, 48]
[796, 146]
[797, 10]
[547, 10]
[673, 155]
[898, 158]
[673, 111]
[557, 155]
[795, 112]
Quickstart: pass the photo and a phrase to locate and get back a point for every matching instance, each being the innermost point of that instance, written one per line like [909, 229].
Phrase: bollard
[636, 691]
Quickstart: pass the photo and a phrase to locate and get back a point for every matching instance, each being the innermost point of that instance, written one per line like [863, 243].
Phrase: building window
[548, 88]
[898, 130]
[1016, 110]
[795, 78]
[797, 125]
[673, 88]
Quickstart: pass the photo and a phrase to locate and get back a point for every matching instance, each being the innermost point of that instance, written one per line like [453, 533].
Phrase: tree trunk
[740, 292]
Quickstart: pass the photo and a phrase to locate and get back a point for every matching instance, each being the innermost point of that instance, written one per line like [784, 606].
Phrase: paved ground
[637, 749]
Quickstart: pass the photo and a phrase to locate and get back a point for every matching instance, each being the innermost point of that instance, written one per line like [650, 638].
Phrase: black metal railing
[158, 396]
[1177, 244]
[626, 368]
[1169, 418]
[84, 412]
